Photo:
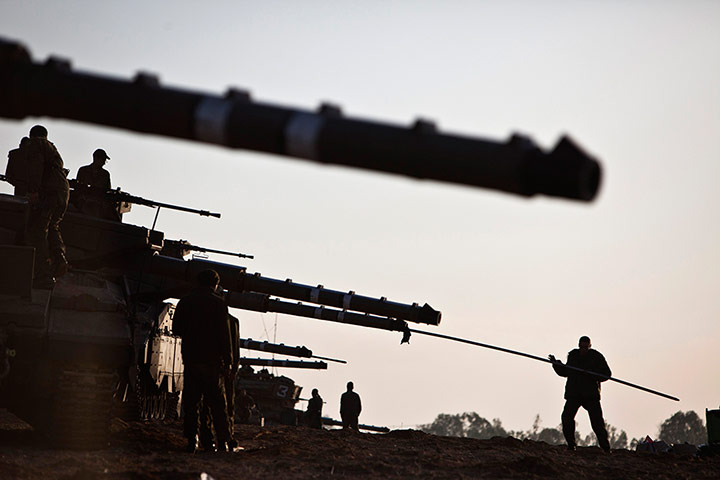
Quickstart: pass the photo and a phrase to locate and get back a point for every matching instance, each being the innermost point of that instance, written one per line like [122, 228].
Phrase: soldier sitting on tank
[92, 183]
[48, 191]
[16, 171]
[201, 321]
[314, 410]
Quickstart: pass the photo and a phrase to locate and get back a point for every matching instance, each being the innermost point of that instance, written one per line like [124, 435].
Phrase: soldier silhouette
[583, 390]
[314, 410]
[350, 407]
[48, 191]
[201, 320]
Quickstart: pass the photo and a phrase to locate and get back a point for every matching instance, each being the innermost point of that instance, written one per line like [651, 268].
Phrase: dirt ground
[151, 450]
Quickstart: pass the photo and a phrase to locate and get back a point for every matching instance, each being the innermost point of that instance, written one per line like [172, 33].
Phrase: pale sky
[637, 84]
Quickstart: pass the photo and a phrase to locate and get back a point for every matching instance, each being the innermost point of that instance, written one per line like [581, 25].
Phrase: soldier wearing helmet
[48, 192]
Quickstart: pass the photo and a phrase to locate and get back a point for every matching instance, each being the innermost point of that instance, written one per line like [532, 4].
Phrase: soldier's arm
[603, 367]
[224, 341]
[559, 367]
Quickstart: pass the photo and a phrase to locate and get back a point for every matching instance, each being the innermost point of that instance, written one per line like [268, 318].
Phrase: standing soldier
[48, 191]
[17, 168]
[583, 390]
[201, 320]
[350, 407]
[314, 410]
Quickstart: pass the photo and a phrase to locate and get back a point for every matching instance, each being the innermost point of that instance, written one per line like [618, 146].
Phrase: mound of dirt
[150, 450]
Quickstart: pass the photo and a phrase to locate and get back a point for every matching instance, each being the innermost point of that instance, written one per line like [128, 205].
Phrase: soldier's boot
[223, 447]
[232, 444]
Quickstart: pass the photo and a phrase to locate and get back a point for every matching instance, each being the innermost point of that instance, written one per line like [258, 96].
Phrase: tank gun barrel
[282, 349]
[265, 362]
[236, 280]
[264, 303]
[517, 166]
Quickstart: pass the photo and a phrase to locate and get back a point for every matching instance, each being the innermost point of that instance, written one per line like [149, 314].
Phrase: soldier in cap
[583, 390]
[94, 175]
[48, 192]
[92, 183]
[350, 407]
[201, 320]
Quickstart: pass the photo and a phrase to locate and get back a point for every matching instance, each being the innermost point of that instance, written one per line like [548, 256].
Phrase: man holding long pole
[582, 389]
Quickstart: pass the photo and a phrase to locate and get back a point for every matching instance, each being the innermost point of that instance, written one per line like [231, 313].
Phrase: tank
[275, 396]
[100, 343]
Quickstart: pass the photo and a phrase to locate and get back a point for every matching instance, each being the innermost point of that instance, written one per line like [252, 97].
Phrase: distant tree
[683, 427]
[553, 436]
[617, 439]
[468, 424]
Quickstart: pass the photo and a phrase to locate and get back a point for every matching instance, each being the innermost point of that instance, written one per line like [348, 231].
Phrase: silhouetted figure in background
[201, 320]
[583, 390]
[94, 181]
[314, 410]
[16, 170]
[48, 191]
[350, 408]
[94, 175]
[245, 404]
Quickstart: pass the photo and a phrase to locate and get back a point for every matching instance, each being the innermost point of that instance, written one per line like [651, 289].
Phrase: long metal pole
[535, 357]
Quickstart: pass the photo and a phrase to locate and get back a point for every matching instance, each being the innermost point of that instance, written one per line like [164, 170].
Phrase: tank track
[80, 415]
[155, 403]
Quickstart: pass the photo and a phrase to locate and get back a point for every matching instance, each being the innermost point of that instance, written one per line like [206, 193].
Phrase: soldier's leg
[36, 236]
[192, 393]
[215, 398]
[205, 421]
[598, 423]
[229, 391]
[56, 247]
[568, 420]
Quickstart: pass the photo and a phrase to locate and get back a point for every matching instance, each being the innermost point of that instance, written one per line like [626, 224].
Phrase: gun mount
[518, 166]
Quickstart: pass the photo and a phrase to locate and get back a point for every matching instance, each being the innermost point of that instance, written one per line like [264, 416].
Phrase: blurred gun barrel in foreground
[234, 120]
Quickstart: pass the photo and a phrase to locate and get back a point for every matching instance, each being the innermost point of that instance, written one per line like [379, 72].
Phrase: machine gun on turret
[121, 201]
[185, 247]
[518, 166]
